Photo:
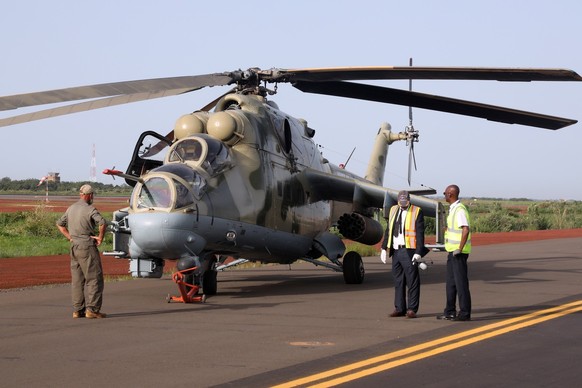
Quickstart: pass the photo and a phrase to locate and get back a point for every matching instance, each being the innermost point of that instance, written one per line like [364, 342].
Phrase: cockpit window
[186, 150]
[196, 182]
[201, 151]
[157, 193]
[154, 193]
[217, 158]
[183, 195]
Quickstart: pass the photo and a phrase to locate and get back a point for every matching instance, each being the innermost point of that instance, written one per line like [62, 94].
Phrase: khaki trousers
[87, 278]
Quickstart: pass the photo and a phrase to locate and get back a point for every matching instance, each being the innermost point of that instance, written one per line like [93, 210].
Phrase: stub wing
[322, 186]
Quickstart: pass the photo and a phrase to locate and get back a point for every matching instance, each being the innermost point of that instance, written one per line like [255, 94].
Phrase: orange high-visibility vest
[409, 225]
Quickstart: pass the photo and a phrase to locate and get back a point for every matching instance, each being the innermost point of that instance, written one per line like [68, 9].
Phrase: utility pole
[93, 170]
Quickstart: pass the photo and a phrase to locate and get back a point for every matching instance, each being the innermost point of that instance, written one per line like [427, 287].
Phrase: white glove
[383, 256]
[456, 252]
[416, 258]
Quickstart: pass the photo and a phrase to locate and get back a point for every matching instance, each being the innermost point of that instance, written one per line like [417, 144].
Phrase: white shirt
[460, 216]
[399, 240]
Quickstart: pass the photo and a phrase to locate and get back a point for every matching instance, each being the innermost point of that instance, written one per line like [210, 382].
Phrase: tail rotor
[411, 136]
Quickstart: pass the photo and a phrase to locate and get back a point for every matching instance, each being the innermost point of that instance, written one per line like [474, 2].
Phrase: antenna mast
[93, 170]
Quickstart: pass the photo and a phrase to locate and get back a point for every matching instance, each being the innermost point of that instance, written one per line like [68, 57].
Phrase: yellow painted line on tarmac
[428, 349]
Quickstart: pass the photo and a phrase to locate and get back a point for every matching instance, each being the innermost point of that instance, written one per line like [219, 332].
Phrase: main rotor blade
[436, 73]
[88, 105]
[432, 102]
[156, 85]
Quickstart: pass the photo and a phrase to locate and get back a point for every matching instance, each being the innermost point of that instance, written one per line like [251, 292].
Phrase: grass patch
[32, 246]
[34, 233]
[362, 249]
[117, 278]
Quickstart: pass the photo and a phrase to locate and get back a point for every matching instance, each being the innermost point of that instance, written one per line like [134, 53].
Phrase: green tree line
[31, 186]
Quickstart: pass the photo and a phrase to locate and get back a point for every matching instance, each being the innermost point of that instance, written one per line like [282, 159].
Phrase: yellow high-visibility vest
[454, 232]
[409, 225]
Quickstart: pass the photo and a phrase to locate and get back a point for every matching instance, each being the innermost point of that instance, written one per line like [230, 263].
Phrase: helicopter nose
[164, 235]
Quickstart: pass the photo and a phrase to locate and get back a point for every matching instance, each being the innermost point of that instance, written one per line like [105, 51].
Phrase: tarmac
[300, 325]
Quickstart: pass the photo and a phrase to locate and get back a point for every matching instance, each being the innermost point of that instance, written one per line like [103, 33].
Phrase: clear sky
[49, 45]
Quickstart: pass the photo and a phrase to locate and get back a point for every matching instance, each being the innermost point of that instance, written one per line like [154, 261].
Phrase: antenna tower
[93, 170]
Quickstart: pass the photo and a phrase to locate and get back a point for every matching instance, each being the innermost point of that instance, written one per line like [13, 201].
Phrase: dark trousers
[405, 274]
[458, 285]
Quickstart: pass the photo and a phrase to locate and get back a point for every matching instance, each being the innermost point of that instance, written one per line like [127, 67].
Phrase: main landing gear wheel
[353, 268]
[209, 282]
[209, 278]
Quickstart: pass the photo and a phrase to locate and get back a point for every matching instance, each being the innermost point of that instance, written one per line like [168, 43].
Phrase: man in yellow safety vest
[458, 245]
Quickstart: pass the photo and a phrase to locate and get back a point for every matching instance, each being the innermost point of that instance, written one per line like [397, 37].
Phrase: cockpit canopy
[202, 151]
[157, 193]
[168, 187]
[179, 182]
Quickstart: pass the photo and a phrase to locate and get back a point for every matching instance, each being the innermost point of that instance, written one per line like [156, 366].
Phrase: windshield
[201, 151]
[217, 158]
[163, 193]
[194, 180]
[186, 150]
[155, 192]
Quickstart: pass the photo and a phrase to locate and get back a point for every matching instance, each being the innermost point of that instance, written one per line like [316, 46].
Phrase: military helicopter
[241, 179]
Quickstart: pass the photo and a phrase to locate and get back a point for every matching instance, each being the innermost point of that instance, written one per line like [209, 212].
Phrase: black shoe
[447, 317]
[397, 313]
[462, 319]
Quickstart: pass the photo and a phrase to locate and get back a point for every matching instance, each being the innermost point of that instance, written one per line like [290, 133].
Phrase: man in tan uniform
[78, 226]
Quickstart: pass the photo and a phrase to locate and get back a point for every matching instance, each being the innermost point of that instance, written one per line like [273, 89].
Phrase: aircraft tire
[353, 268]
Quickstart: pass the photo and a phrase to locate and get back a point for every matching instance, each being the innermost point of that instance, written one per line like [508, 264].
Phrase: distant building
[53, 177]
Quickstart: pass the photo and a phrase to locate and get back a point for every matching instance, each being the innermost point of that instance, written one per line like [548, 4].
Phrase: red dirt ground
[57, 204]
[33, 271]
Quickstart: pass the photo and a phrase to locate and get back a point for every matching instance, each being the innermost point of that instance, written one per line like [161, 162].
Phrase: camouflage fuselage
[249, 204]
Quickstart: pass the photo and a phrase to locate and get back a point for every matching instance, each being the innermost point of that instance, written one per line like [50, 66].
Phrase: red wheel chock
[188, 292]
